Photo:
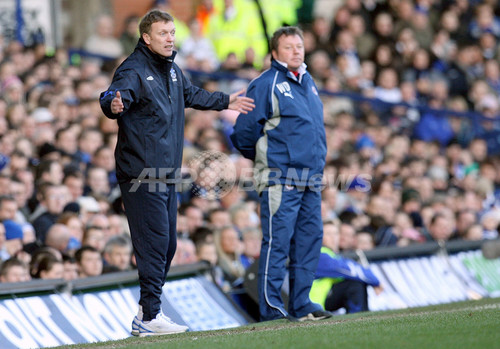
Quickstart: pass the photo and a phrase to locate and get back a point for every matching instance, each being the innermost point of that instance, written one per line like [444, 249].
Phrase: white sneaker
[136, 322]
[161, 324]
[135, 326]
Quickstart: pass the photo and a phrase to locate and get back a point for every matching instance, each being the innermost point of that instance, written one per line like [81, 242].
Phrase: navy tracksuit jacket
[285, 137]
[150, 141]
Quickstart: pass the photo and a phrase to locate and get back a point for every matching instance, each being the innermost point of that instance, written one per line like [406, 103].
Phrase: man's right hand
[117, 103]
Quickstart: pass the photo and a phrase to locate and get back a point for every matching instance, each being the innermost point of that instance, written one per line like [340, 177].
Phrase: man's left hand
[240, 103]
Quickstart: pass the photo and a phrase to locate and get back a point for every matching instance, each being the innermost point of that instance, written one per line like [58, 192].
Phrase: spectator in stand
[50, 267]
[130, 34]
[74, 224]
[252, 239]
[89, 262]
[70, 268]
[219, 218]
[97, 182]
[194, 217]
[3, 251]
[94, 236]
[117, 254]
[197, 50]
[14, 270]
[207, 251]
[13, 238]
[53, 199]
[89, 141]
[104, 158]
[102, 43]
[185, 252]
[50, 171]
[440, 228]
[74, 181]
[59, 237]
[66, 141]
[8, 207]
[229, 248]
[490, 221]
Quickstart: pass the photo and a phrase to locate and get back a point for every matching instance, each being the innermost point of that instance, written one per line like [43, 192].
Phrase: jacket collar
[281, 66]
[156, 58]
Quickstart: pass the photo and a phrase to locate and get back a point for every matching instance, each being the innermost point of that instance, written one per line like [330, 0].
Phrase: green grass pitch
[471, 324]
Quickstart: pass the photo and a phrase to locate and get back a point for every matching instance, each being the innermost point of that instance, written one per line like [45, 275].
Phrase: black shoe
[316, 315]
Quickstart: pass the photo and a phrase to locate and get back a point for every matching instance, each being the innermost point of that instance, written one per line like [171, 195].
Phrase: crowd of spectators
[398, 173]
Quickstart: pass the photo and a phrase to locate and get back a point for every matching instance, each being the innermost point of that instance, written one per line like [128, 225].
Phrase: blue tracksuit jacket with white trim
[284, 135]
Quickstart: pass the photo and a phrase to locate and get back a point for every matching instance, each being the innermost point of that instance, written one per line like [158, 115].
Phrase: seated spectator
[74, 224]
[473, 233]
[440, 228]
[207, 251]
[117, 254]
[13, 238]
[404, 230]
[59, 237]
[97, 182]
[203, 234]
[8, 207]
[185, 252]
[53, 199]
[50, 267]
[102, 42]
[490, 222]
[130, 35]
[252, 240]
[14, 270]
[4, 255]
[38, 255]
[364, 241]
[94, 236]
[340, 282]
[70, 268]
[101, 221]
[229, 251]
[89, 262]
[218, 218]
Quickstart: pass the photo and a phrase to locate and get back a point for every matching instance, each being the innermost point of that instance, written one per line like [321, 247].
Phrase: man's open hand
[240, 103]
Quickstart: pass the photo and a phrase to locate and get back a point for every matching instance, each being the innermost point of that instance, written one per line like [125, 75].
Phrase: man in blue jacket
[147, 96]
[285, 137]
[341, 282]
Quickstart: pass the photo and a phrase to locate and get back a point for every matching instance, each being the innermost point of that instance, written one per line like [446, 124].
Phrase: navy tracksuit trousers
[151, 213]
[292, 228]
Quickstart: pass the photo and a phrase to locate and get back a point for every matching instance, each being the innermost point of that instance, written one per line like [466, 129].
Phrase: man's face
[8, 210]
[57, 198]
[290, 51]
[161, 38]
[16, 274]
[119, 257]
[91, 264]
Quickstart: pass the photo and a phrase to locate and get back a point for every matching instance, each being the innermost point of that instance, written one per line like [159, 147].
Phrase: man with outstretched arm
[147, 96]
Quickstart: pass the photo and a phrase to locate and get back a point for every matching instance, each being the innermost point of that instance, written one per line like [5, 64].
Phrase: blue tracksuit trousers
[292, 228]
[151, 213]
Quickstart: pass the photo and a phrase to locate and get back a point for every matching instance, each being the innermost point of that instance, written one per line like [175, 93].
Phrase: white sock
[140, 313]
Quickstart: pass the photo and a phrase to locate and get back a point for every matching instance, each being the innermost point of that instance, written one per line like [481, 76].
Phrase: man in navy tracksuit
[284, 135]
[147, 96]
